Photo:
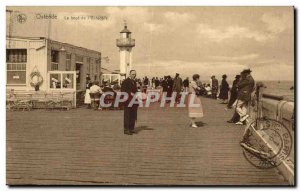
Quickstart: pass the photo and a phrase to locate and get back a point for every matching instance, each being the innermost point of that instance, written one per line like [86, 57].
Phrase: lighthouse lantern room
[125, 44]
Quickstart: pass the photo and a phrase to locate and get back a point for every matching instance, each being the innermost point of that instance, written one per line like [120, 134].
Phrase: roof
[125, 30]
[44, 38]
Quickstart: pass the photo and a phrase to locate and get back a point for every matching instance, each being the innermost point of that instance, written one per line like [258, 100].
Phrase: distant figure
[245, 88]
[186, 83]
[164, 84]
[153, 82]
[224, 89]
[156, 82]
[87, 97]
[130, 112]
[194, 112]
[214, 87]
[106, 87]
[94, 89]
[233, 91]
[170, 87]
[116, 87]
[146, 81]
[177, 86]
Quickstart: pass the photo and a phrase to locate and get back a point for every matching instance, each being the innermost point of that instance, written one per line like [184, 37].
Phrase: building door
[78, 75]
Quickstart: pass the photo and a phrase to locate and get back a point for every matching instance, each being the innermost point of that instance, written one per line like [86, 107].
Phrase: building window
[54, 59]
[16, 60]
[68, 62]
[16, 55]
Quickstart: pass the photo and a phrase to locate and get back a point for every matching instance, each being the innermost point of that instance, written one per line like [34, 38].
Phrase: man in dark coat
[233, 91]
[186, 84]
[156, 82]
[245, 88]
[164, 84]
[177, 86]
[170, 83]
[130, 112]
[214, 87]
[146, 81]
[224, 89]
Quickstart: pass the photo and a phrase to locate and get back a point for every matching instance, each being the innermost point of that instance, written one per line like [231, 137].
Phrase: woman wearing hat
[224, 89]
[194, 112]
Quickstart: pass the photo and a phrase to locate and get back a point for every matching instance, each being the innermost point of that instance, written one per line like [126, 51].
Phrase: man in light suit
[130, 112]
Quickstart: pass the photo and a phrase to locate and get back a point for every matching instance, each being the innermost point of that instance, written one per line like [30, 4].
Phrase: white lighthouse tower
[125, 43]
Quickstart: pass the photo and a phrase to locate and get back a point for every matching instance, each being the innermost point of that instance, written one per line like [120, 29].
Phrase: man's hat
[237, 76]
[246, 71]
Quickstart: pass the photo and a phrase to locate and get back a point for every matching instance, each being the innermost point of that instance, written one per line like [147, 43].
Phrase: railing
[126, 42]
[276, 108]
[28, 100]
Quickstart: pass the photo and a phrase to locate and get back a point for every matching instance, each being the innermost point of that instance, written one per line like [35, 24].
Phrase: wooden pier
[87, 147]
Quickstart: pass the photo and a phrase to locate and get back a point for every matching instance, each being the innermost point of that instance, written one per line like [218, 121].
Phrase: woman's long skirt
[195, 106]
[87, 97]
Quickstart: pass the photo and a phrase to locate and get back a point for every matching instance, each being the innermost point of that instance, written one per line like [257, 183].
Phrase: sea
[280, 88]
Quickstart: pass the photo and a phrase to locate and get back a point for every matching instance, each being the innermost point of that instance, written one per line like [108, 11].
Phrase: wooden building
[50, 64]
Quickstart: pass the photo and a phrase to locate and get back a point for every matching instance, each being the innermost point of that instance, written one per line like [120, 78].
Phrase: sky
[187, 40]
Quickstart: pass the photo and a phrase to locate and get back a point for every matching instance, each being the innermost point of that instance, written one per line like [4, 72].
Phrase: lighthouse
[125, 44]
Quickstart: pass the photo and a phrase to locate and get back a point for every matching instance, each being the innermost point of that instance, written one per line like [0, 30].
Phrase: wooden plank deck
[83, 146]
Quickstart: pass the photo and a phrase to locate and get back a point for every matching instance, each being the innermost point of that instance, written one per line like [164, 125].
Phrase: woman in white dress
[87, 97]
[194, 102]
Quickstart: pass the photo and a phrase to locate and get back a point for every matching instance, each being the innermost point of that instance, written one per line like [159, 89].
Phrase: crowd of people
[94, 90]
[223, 92]
[237, 96]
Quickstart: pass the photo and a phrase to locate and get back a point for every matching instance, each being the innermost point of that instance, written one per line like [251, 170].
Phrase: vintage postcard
[150, 96]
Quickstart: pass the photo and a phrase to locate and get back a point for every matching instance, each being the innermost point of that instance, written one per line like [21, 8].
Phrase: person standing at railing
[233, 91]
[245, 88]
